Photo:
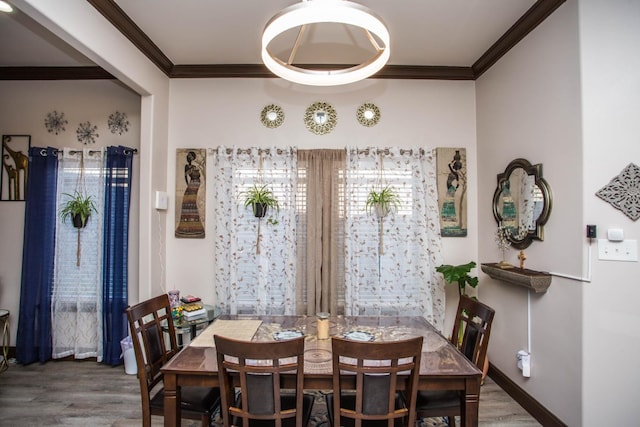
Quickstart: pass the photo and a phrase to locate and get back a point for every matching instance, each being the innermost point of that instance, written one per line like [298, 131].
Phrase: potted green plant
[383, 201]
[79, 208]
[459, 274]
[260, 198]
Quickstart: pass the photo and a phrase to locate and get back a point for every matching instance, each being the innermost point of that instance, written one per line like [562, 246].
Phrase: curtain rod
[403, 151]
[248, 150]
[43, 152]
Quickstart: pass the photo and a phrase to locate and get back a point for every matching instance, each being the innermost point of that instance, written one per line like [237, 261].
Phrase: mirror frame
[535, 171]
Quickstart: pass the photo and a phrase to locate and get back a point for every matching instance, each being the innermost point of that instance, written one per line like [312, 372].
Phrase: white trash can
[129, 355]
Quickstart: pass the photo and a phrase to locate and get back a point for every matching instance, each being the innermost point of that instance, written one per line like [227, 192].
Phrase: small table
[181, 325]
[6, 339]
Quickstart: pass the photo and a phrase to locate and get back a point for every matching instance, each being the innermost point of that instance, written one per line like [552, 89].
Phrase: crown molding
[54, 73]
[523, 26]
[114, 14]
[120, 20]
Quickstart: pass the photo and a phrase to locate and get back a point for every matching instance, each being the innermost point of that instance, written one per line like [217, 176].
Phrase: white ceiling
[423, 32]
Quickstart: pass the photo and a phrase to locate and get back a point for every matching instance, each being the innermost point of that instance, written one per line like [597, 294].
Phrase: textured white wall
[610, 58]
[208, 113]
[529, 107]
[22, 112]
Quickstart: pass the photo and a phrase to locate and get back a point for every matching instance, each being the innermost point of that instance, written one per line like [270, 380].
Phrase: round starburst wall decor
[55, 122]
[118, 123]
[86, 133]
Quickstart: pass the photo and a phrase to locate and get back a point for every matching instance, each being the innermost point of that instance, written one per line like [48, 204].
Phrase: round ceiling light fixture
[325, 11]
[5, 7]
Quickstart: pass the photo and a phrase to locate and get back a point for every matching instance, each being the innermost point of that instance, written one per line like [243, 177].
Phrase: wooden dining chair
[151, 324]
[259, 368]
[471, 331]
[375, 372]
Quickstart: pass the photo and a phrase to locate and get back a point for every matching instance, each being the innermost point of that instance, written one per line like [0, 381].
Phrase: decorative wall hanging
[272, 116]
[86, 133]
[368, 114]
[452, 191]
[15, 165]
[118, 123]
[190, 192]
[623, 192]
[320, 118]
[55, 122]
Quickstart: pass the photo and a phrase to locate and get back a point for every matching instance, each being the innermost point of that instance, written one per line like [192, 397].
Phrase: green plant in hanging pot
[383, 202]
[78, 207]
[261, 198]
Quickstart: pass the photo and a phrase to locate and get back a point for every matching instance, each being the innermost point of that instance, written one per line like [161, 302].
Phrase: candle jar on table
[323, 325]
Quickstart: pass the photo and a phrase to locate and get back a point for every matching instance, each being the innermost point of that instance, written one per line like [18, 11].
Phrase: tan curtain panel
[320, 245]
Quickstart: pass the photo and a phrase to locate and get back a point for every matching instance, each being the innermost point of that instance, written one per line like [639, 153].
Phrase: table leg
[469, 416]
[172, 413]
[6, 342]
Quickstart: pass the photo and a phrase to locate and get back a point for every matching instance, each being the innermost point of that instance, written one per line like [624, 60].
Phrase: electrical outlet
[526, 365]
[626, 250]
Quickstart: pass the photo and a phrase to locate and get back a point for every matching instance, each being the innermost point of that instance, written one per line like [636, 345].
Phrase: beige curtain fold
[320, 245]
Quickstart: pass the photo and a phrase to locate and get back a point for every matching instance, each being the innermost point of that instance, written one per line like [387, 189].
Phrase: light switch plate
[161, 200]
[626, 250]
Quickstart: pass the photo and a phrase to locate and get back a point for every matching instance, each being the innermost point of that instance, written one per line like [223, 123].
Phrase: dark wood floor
[70, 393]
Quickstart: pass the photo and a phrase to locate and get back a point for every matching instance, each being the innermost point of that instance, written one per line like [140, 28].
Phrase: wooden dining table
[443, 366]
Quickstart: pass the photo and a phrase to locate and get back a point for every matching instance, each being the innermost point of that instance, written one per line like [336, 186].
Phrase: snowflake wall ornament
[623, 192]
[118, 123]
[86, 133]
[55, 122]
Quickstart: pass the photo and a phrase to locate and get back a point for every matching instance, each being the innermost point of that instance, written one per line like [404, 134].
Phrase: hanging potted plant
[79, 208]
[260, 198]
[382, 203]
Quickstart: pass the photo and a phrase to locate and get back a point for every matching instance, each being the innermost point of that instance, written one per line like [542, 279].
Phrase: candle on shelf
[323, 325]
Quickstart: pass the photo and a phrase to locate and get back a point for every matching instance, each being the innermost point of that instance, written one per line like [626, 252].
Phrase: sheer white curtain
[400, 279]
[247, 280]
[77, 289]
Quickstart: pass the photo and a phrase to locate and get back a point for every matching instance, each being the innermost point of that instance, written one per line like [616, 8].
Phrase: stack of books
[188, 299]
[193, 311]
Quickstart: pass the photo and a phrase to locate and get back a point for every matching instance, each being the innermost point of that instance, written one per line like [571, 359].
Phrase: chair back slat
[257, 367]
[154, 338]
[374, 370]
[472, 329]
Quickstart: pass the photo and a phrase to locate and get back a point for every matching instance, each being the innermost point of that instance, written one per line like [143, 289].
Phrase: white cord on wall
[160, 250]
[577, 278]
[529, 321]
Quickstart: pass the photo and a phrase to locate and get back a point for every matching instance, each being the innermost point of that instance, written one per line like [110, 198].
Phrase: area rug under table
[319, 415]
